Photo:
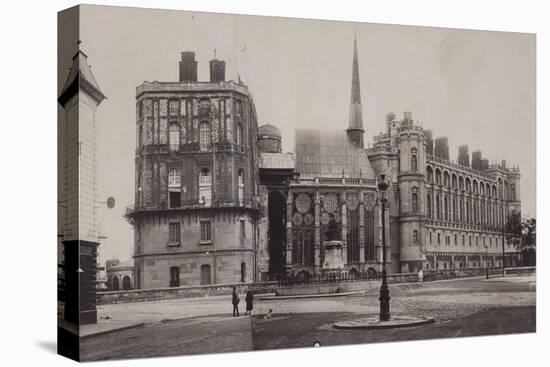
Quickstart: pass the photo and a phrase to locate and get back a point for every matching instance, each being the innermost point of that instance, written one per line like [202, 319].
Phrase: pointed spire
[355, 85]
[355, 129]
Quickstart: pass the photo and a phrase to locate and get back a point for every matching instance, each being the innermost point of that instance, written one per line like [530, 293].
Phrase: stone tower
[355, 130]
[412, 191]
[196, 181]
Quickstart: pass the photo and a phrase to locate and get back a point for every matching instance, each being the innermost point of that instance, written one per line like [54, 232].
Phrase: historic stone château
[217, 201]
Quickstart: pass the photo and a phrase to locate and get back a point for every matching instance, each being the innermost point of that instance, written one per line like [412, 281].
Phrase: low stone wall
[144, 295]
[327, 288]
[522, 270]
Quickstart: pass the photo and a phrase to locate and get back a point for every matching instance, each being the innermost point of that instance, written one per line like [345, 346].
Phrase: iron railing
[292, 280]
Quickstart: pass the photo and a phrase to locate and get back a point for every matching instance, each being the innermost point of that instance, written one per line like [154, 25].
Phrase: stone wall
[158, 294]
[296, 290]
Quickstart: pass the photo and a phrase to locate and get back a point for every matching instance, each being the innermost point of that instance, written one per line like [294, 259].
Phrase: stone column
[362, 247]
[289, 229]
[344, 221]
[318, 243]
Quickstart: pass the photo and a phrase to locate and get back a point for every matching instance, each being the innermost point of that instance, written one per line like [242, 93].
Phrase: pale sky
[476, 87]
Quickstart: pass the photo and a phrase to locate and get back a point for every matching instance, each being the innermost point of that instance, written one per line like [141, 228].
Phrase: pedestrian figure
[268, 314]
[249, 302]
[235, 300]
[420, 276]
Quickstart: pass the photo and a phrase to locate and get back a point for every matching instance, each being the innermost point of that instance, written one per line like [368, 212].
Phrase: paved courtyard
[465, 307]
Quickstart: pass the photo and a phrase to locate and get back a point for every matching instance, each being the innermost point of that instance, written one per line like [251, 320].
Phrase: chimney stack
[428, 137]
[441, 148]
[476, 160]
[217, 71]
[463, 156]
[188, 67]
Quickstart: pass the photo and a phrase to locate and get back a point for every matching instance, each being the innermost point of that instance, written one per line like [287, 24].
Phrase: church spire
[355, 129]
[355, 85]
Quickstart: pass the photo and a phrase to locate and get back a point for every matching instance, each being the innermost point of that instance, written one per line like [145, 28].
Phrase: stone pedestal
[333, 261]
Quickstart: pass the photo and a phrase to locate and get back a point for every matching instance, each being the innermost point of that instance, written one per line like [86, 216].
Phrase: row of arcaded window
[454, 181]
[205, 187]
[474, 212]
[176, 134]
[186, 106]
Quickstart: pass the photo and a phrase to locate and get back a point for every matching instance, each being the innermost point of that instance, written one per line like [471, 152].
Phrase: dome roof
[269, 131]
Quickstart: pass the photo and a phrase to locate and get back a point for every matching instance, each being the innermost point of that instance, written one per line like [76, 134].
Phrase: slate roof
[277, 160]
[80, 75]
[328, 153]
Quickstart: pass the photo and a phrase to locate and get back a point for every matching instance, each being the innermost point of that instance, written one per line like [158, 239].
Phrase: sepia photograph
[232, 183]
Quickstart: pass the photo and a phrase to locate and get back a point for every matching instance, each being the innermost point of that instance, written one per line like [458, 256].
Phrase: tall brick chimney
[217, 71]
[188, 67]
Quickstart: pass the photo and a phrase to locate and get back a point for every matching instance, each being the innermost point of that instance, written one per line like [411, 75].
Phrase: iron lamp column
[384, 290]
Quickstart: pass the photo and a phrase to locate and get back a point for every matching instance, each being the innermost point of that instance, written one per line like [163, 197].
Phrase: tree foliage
[521, 233]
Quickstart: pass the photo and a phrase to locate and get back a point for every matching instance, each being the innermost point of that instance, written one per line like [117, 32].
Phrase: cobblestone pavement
[191, 326]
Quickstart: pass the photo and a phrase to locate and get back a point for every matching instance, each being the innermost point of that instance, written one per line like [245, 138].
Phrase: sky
[476, 87]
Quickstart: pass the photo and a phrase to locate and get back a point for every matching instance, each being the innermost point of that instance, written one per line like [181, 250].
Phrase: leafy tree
[523, 235]
[514, 230]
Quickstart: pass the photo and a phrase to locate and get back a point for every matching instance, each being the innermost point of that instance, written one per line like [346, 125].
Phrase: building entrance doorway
[277, 233]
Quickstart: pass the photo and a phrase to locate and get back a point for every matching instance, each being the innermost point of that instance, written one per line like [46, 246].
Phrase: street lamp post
[486, 262]
[384, 290]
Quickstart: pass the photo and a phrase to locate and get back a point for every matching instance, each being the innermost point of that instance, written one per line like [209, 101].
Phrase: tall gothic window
[429, 204]
[204, 131]
[415, 199]
[239, 137]
[513, 191]
[241, 187]
[414, 162]
[174, 137]
[205, 187]
[437, 208]
[446, 207]
[174, 188]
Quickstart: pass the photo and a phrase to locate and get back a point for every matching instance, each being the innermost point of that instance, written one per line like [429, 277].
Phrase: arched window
[174, 276]
[437, 208]
[205, 187]
[429, 204]
[115, 284]
[414, 199]
[513, 191]
[204, 131]
[414, 162]
[241, 187]
[140, 136]
[446, 179]
[239, 137]
[437, 176]
[174, 188]
[174, 137]
[429, 173]
[126, 283]
[461, 183]
[446, 207]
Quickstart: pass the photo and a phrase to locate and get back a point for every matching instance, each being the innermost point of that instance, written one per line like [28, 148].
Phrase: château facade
[218, 202]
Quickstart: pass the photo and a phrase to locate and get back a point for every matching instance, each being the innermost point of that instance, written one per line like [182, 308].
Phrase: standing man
[235, 301]
[249, 302]
[420, 276]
